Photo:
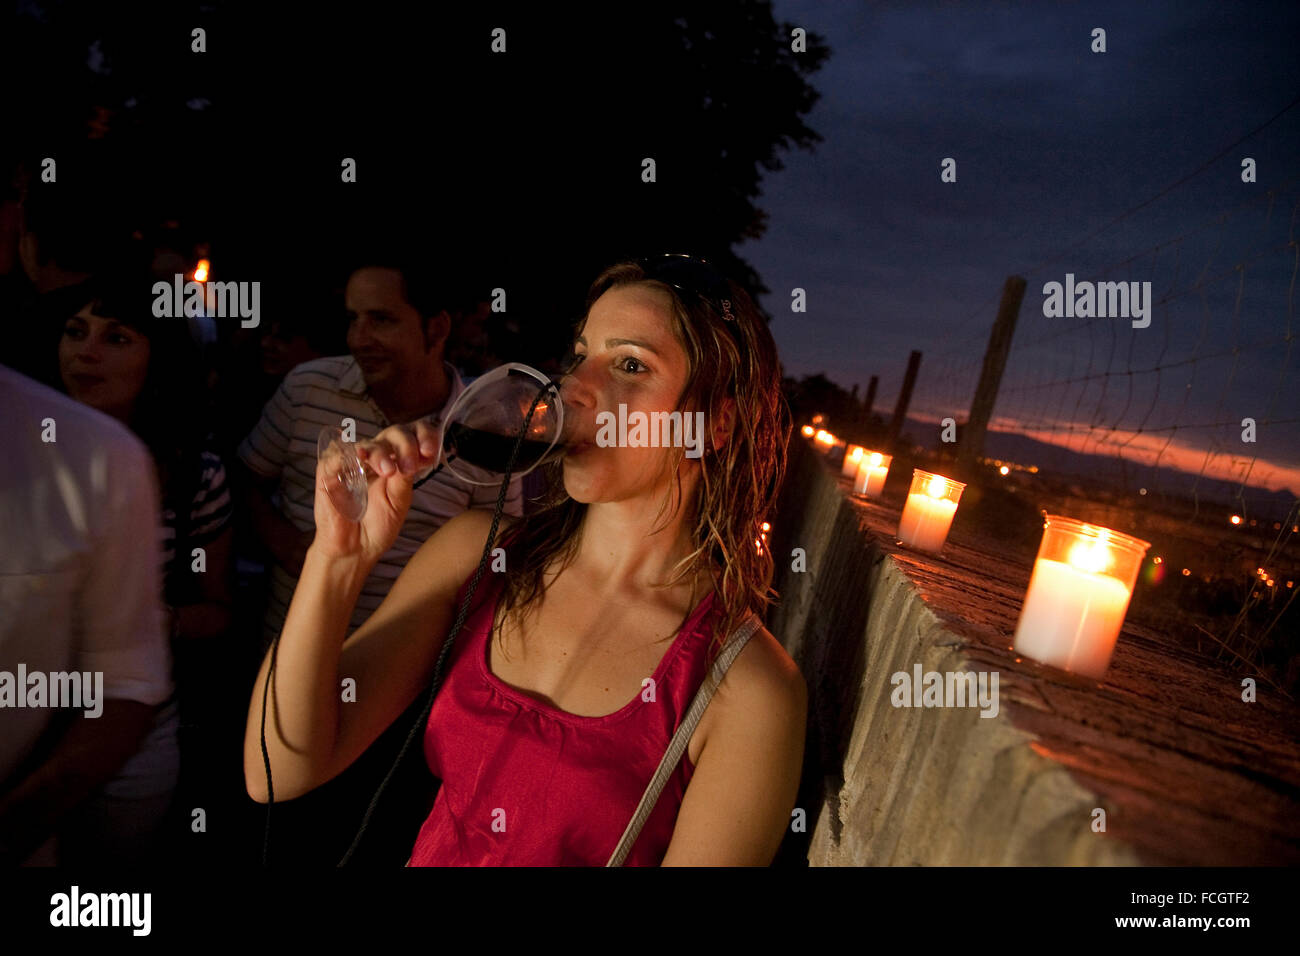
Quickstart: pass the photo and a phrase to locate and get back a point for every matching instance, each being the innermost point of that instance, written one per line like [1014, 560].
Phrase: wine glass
[343, 477]
[484, 423]
[477, 435]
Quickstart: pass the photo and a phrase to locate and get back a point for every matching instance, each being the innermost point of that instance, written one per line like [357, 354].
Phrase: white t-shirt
[80, 566]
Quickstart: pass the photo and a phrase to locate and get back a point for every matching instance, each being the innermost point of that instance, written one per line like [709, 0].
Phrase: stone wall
[1186, 772]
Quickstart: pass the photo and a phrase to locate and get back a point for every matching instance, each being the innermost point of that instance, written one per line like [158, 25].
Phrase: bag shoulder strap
[735, 644]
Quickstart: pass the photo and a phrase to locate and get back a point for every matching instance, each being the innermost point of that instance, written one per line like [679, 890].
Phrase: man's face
[385, 332]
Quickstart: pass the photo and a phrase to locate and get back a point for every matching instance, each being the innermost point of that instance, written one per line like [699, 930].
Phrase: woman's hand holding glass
[511, 418]
[363, 490]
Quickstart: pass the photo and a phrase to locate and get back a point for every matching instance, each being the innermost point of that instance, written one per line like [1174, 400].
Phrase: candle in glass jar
[852, 457]
[929, 510]
[872, 472]
[1078, 595]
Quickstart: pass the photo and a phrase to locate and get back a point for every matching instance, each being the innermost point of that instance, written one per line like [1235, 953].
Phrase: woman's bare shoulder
[763, 676]
[479, 520]
[456, 548]
[760, 711]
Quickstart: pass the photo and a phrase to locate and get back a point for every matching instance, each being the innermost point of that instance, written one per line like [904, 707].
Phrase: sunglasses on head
[693, 276]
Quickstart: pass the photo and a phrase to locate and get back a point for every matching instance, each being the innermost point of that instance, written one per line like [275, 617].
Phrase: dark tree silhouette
[522, 169]
[843, 412]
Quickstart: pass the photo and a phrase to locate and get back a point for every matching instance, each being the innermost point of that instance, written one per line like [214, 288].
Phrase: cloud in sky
[1225, 458]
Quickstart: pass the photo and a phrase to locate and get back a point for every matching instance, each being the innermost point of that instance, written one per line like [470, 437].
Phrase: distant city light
[1142, 491]
[1005, 470]
[1186, 572]
[1158, 559]
[1235, 519]
[818, 419]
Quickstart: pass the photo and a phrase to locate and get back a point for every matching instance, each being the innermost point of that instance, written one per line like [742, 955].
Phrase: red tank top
[527, 784]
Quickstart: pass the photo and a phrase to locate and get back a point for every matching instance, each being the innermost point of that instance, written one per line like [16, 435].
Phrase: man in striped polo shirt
[397, 332]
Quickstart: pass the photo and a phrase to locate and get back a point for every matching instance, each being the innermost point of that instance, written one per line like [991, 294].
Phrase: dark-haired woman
[145, 372]
[577, 663]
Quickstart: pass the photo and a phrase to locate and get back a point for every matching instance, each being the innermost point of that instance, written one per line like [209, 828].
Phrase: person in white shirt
[80, 590]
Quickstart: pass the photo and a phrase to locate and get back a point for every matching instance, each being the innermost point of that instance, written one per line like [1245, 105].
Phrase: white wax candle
[852, 457]
[870, 480]
[1071, 618]
[925, 522]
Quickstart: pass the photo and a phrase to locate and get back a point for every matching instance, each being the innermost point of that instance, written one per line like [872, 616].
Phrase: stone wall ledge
[1186, 772]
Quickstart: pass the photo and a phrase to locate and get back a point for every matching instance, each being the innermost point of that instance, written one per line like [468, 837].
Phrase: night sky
[1123, 166]
[1053, 143]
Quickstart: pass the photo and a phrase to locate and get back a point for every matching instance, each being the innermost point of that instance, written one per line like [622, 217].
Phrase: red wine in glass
[481, 429]
[492, 450]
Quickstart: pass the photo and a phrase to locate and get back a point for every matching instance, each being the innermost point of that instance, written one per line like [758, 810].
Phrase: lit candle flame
[201, 270]
[937, 487]
[876, 459]
[1094, 557]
